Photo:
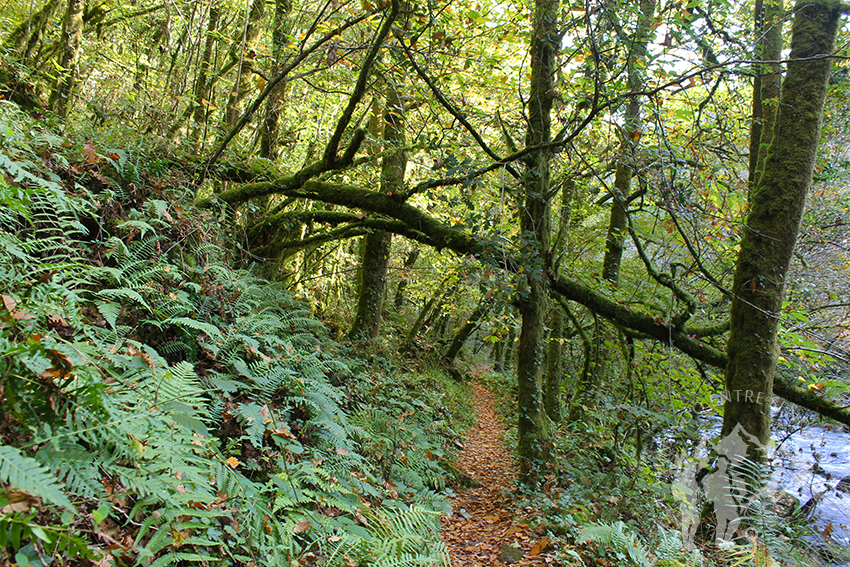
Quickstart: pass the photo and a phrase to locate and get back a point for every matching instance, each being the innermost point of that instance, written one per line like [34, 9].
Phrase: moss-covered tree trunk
[271, 123]
[24, 38]
[536, 231]
[404, 277]
[200, 105]
[618, 223]
[376, 246]
[777, 201]
[469, 325]
[767, 82]
[554, 367]
[246, 59]
[72, 34]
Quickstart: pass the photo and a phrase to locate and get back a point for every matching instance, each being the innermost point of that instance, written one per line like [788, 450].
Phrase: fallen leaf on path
[539, 546]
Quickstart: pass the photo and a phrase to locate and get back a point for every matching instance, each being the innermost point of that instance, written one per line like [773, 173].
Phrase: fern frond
[30, 476]
[76, 465]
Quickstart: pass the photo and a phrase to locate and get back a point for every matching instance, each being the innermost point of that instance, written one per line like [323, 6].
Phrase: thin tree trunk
[200, 108]
[246, 58]
[417, 325]
[769, 235]
[768, 77]
[404, 277]
[618, 224]
[72, 33]
[554, 368]
[498, 355]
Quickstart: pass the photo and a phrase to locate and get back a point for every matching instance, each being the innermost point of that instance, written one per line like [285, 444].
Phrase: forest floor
[488, 527]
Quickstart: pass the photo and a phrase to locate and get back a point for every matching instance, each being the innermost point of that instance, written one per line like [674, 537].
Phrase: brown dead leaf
[266, 415]
[89, 153]
[539, 546]
[19, 501]
[302, 526]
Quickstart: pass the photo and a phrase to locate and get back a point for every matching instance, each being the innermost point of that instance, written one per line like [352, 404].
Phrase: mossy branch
[410, 222]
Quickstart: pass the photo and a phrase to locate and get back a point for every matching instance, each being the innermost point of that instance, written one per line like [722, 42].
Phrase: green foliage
[189, 411]
[621, 541]
[27, 474]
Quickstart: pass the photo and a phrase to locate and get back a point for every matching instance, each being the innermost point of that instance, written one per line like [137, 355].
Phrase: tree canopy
[646, 197]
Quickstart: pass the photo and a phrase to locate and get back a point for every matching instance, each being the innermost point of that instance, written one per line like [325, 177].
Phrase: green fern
[620, 540]
[29, 475]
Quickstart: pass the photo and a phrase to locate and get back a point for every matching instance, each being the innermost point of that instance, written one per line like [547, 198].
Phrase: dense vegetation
[253, 254]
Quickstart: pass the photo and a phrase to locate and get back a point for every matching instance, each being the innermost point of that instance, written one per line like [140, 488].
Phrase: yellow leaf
[233, 462]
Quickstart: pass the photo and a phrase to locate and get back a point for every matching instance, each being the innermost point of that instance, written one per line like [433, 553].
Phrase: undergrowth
[604, 502]
[161, 407]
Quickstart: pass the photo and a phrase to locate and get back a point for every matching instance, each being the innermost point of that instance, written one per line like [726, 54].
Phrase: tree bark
[615, 238]
[776, 205]
[269, 143]
[404, 277]
[200, 107]
[533, 442]
[376, 248]
[554, 367]
[463, 333]
[72, 33]
[23, 40]
[246, 58]
[767, 81]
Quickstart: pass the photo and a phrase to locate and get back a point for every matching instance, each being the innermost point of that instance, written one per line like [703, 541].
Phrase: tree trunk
[776, 205]
[618, 224]
[463, 333]
[498, 355]
[269, 142]
[200, 107]
[554, 368]
[404, 278]
[376, 254]
[629, 136]
[533, 442]
[417, 325]
[23, 40]
[246, 58]
[768, 77]
[72, 33]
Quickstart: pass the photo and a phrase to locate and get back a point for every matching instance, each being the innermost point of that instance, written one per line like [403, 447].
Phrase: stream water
[813, 464]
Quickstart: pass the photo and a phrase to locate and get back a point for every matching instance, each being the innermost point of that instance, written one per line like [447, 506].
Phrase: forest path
[485, 529]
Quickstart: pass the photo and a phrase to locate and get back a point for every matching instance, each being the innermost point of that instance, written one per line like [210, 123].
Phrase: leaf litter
[485, 527]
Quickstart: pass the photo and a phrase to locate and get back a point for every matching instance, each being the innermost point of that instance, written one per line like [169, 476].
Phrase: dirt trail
[484, 523]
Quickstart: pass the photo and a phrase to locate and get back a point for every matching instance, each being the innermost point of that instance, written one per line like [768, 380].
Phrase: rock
[510, 554]
[843, 485]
